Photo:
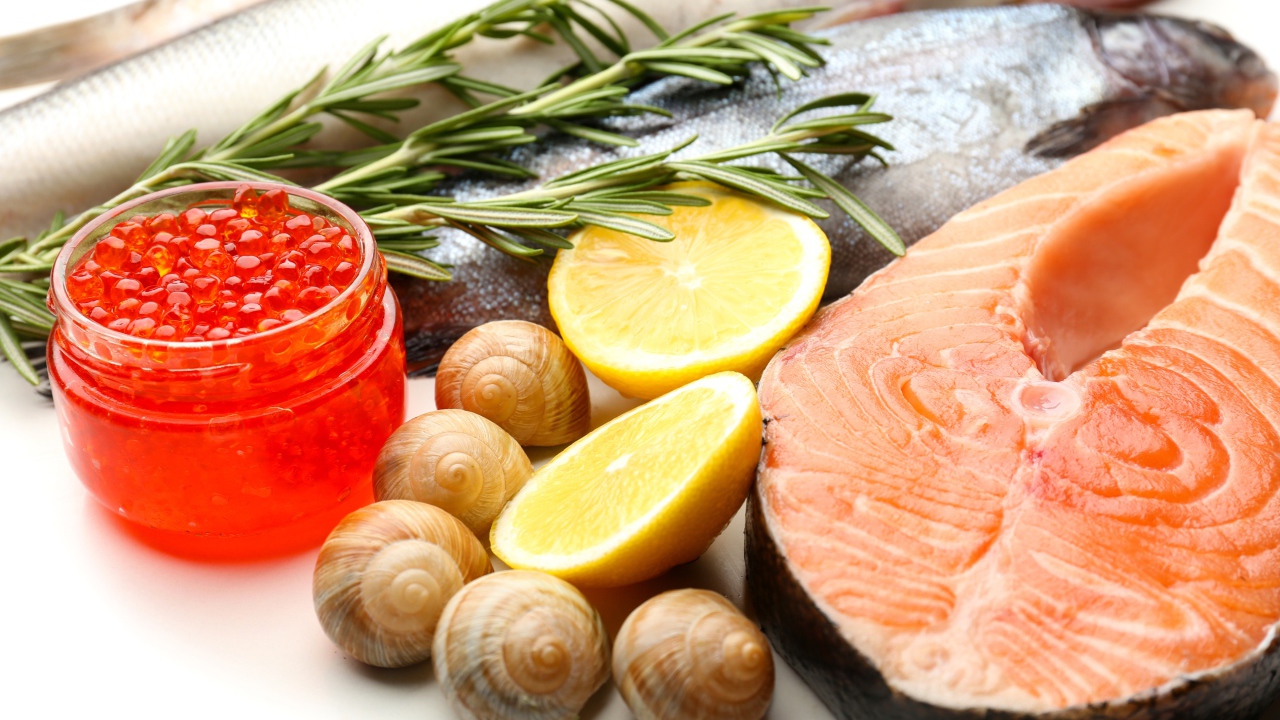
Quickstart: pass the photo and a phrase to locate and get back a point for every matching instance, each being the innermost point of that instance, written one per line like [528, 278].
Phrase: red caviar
[196, 276]
[227, 363]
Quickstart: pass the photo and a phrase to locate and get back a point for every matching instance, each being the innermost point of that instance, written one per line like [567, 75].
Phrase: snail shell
[692, 654]
[521, 376]
[385, 574]
[520, 644]
[455, 460]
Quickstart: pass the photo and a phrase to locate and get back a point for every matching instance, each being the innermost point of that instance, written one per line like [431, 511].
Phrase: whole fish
[982, 99]
[86, 140]
[73, 48]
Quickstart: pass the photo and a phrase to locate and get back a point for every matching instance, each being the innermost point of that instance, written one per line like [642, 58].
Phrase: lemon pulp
[647, 491]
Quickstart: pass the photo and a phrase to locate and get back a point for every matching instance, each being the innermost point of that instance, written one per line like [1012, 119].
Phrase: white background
[95, 624]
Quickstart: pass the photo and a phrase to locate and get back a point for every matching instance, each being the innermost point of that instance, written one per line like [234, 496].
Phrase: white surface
[97, 625]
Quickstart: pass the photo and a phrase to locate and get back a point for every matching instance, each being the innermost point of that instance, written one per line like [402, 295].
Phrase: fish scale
[982, 100]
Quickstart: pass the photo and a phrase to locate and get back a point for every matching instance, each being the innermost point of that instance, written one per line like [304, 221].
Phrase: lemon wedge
[641, 494]
[646, 317]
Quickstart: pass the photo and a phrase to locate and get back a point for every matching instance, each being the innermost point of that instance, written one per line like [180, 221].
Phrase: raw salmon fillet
[1033, 465]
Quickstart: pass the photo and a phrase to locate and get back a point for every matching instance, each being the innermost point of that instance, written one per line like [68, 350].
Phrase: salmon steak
[1031, 469]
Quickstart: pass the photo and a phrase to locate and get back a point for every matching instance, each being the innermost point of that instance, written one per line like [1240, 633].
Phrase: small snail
[385, 574]
[456, 460]
[520, 644]
[692, 654]
[522, 377]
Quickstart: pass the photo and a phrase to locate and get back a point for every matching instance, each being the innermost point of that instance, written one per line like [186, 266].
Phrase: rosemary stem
[298, 115]
[625, 69]
[620, 70]
[402, 157]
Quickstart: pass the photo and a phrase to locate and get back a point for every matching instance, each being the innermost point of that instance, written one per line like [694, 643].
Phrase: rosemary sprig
[350, 94]
[396, 175]
[717, 50]
[611, 195]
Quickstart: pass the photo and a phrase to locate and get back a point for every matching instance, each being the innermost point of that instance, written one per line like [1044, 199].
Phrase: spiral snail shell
[385, 574]
[521, 376]
[692, 654]
[456, 460]
[518, 645]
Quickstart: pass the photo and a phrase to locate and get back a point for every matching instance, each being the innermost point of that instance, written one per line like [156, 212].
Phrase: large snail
[519, 645]
[455, 460]
[521, 376]
[692, 654]
[385, 574]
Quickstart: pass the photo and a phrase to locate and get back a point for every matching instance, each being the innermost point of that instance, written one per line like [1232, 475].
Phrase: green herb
[348, 94]
[612, 194]
[718, 50]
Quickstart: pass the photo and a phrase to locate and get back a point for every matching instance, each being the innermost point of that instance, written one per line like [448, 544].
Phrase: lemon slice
[646, 317]
[641, 494]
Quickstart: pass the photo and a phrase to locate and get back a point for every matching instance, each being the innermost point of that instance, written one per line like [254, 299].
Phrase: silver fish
[86, 140]
[982, 100]
[76, 47]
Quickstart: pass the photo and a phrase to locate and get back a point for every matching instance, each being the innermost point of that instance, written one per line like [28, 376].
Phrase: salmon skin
[1031, 469]
[983, 99]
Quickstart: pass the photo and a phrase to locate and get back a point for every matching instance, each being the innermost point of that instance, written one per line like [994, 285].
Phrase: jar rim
[67, 310]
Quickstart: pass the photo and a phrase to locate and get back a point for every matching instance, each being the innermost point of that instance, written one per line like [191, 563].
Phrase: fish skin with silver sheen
[72, 48]
[982, 100]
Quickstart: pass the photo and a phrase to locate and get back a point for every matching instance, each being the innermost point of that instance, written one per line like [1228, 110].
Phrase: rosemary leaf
[396, 82]
[837, 121]
[499, 217]
[11, 347]
[739, 180]
[786, 65]
[497, 240]
[695, 29]
[841, 100]
[357, 63]
[493, 166]
[853, 207]
[603, 137]
[643, 17]
[414, 265]
[378, 134]
[626, 224]
[11, 247]
[26, 306]
[615, 168]
[30, 288]
[628, 205]
[670, 198]
[545, 238]
[409, 245]
[697, 72]
[229, 171]
[615, 44]
[175, 149]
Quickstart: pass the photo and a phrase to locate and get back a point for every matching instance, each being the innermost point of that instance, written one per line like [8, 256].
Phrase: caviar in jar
[228, 360]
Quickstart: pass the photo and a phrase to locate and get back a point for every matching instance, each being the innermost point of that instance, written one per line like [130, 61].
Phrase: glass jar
[269, 437]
